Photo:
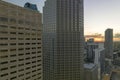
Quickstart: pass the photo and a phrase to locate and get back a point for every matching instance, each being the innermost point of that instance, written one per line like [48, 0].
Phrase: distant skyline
[98, 14]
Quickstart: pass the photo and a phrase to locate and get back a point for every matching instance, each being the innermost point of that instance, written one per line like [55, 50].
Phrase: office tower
[31, 6]
[20, 43]
[90, 47]
[63, 40]
[91, 71]
[100, 61]
[109, 43]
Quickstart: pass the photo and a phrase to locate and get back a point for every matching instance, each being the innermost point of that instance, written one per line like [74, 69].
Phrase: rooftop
[89, 65]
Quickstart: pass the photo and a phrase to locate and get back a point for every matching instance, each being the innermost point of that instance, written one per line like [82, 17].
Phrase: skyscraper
[31, 6]
[63, 40]
[108, 50]
[90, 47]
[109, 43]
[20, 43]
[91, 71]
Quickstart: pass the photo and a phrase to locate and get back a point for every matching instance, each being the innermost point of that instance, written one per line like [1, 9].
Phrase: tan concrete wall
[20, 43]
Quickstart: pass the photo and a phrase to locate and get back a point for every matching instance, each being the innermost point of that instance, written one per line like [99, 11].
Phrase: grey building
[91, 71]
[63, 40]
[109, 43]
[90, 47]
[100, 61]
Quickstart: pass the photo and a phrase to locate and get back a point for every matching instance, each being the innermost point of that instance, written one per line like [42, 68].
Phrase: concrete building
[99, 53]
[100, 61]
[63, 40]
[91, 71]
[109, 43]
[20, 43]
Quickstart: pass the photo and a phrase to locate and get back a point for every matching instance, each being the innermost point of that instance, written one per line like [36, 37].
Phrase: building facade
[63, 40]
[109, 43]
[91, 71]
[20, 43]
[100, 61]
[90, 47]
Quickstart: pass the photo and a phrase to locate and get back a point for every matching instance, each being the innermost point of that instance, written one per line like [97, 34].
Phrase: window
[12, 38]
[5, 62]
[3, 19]
[3, 26]
[13, 61]
[13, 55]
[4, 50]
[12, 44]
[3, 44]
[13, 72]
[20, 22]
[20, 33]
[12, 32]
[6, 68]
[14, 66]
[12, 49]
[20, 43]
[4, 32]
[12, 20]
[12, 27]
[5, 56]
[21, 75]
[3, 38]
[13, 78]
[4, 74]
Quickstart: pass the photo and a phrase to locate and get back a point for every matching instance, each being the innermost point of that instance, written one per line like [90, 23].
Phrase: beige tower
[20, 43]
[63, 40]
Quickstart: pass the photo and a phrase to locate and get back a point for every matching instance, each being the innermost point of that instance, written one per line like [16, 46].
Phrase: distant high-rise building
[31, 6]
[91, 40]
[100, 61]
[109, 43]
[20, 43]
[90, 47]
[63, 40]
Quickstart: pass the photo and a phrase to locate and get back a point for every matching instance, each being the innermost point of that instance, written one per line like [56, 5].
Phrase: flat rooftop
[89, 65]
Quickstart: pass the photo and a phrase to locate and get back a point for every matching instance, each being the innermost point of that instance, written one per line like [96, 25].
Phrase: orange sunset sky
[99, 38]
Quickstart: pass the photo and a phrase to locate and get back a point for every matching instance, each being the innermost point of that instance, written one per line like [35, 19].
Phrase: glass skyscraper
[63, 40]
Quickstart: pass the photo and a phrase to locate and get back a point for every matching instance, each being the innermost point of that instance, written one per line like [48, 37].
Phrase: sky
[98, 14]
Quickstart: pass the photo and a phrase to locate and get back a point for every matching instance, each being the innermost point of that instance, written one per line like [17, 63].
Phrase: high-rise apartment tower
[20, 43]
[63, 40]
